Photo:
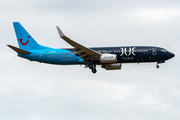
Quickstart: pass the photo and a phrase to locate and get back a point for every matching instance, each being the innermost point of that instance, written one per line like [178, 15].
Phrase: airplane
[109, 58]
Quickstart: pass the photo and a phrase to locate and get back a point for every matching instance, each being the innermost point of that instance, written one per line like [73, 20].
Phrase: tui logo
[128, 52]
[25, 42]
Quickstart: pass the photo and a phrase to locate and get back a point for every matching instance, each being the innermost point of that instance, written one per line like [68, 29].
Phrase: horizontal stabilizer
[18, 50]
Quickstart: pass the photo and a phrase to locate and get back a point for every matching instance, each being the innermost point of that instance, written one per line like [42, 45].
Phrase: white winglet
[60, 32]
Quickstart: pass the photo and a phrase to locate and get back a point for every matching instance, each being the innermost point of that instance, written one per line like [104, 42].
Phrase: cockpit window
[163, 50]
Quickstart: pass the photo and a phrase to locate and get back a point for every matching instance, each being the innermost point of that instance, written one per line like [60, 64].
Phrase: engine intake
[108, 58]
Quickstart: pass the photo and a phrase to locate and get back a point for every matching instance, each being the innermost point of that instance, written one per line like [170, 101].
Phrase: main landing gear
[93, 68]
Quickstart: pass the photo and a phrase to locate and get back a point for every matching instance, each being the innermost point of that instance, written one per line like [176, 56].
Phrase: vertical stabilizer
[25, 40]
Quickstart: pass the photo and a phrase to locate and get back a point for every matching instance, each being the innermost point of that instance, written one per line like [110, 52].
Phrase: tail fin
[25, 40]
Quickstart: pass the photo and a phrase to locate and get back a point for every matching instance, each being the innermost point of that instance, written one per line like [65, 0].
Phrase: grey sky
[34, 91]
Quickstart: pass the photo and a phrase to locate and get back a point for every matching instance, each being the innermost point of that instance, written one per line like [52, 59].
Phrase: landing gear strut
[157, 66]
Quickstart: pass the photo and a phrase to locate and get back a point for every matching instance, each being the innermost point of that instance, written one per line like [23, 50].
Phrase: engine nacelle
[115, 66]
[108, 58]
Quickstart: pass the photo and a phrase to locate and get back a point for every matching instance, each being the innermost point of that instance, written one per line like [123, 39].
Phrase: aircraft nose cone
[170, 55]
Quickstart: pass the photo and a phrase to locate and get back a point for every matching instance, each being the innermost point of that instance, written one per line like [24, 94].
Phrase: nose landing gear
[157, 66]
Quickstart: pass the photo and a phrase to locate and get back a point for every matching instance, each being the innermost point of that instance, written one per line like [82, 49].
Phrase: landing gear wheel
[90, 66]
[157, 66]
[94, 70]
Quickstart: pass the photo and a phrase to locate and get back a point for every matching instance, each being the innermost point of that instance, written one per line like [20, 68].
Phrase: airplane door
[41, 55]
[154, 51]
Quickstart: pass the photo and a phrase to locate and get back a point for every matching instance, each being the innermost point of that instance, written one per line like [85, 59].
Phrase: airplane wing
[82, 51]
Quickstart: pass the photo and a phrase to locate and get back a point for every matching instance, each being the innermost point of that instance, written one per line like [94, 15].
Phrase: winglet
[18, 50]
[60, 32]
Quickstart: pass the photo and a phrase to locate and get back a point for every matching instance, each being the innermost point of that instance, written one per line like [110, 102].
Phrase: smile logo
[25, 42]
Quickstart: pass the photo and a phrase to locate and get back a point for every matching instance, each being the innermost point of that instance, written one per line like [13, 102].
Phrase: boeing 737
[110, 58]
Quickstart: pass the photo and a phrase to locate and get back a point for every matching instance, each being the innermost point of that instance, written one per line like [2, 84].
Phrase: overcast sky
[37, 91]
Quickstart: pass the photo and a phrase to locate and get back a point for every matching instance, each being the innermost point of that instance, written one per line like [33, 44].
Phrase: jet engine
[108, 58]
[115, 66]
